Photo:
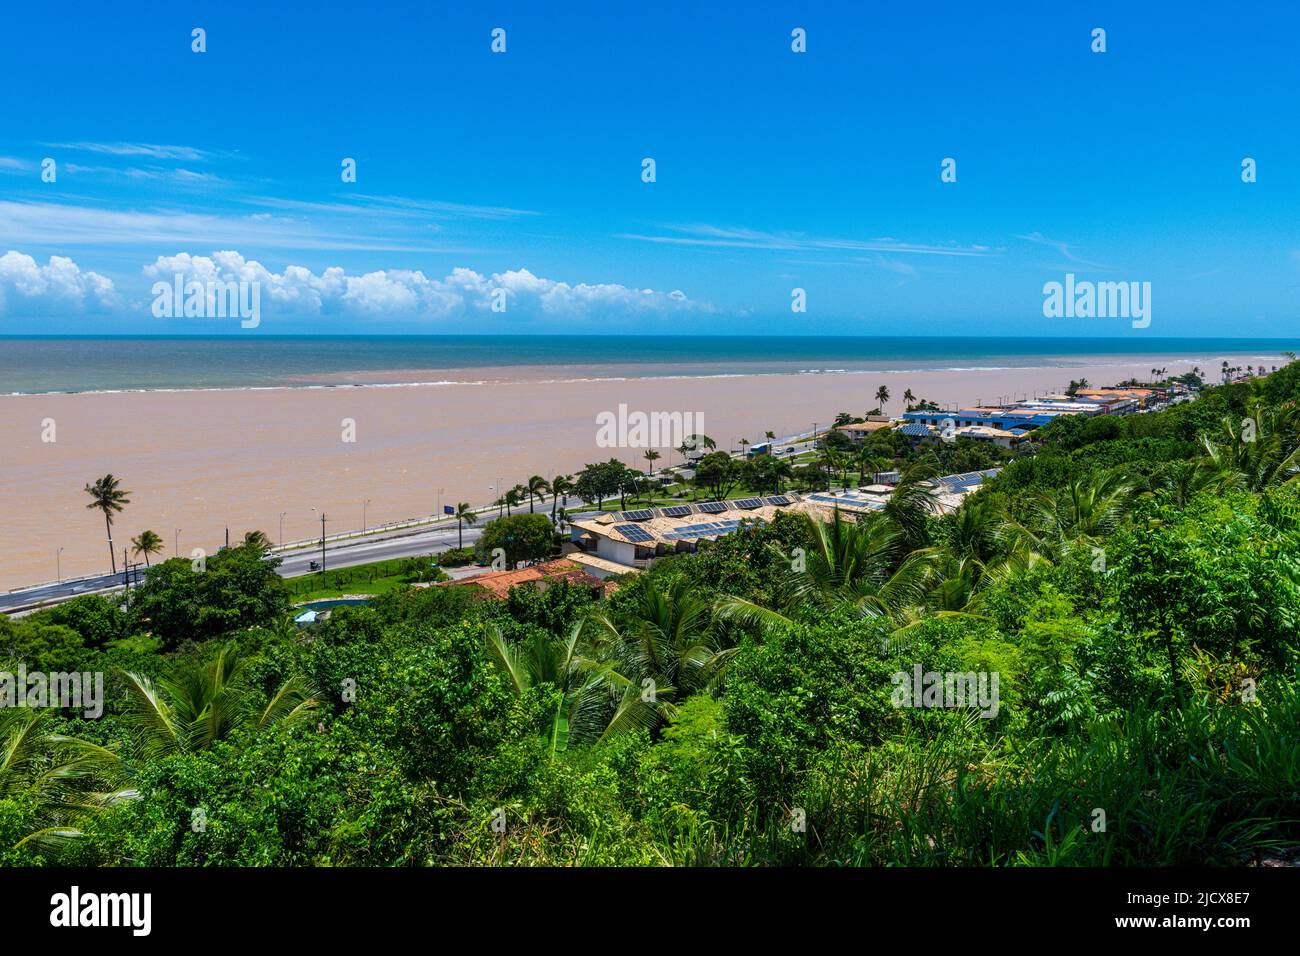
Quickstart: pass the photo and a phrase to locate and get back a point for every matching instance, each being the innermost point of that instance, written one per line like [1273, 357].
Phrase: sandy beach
[202, 461]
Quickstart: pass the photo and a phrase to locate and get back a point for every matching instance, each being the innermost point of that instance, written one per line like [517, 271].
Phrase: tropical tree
[257, 540]
[1080, 514]
[882, 396]
[65, 778]
[537, 487]
[908, 399]
[561, 485]
[198, 705]
[514, 497]
[596, 700]
[464, 516]
[1261, 450]
[668, 639]
[146, 543]
[107, 497]
[652, 456]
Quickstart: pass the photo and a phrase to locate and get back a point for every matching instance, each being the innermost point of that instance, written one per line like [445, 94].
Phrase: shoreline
[205, 460]
[546, 374]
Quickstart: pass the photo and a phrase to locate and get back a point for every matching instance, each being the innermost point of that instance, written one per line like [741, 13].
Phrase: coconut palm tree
[861, 564]
[561, 485]
[537, 487]
[1260, 451]
[908, 399]
[146, 543]
[198, 705]
[64, 777]
[256, 540]
[514, 497]
[882, 396]
[651, 456]
[464, 516]
[107, 497]
[596, 700]
[1077, 515]
[668, 638]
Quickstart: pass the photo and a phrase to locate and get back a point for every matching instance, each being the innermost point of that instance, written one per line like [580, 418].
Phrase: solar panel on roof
[677, 511]
[644, 515]
[634, 532]
[748, 502]
[777, 500]
[712, 507]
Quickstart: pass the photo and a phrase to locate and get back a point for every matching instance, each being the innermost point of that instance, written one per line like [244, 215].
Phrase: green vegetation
[1134, 585]
[377, 577]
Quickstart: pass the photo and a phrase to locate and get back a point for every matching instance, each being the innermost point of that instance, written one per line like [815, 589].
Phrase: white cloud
[404, 293]
[152, 150]
[60, 284]
[735, 237]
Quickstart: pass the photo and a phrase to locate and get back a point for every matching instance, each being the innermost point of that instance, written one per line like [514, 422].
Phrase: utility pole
[364, 504]
[58, 564]
[176, 542]
[322, 539]
[282, 514]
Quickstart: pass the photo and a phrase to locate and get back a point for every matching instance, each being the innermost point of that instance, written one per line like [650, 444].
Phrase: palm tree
[110, 499]
[198, 705]
[561, 485]
[651, 456]
[861, 564]
[882, 396]
[256, 540]
[908, 399]
[55, 773]
[744, 442]
[1079, 514]
[1271, 457]
[668, 638]
[537, 487]
[146, 543]
[587, 675]
[514, 497]
[464, 516]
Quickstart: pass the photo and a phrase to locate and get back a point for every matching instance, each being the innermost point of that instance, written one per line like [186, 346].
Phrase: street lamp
[322, 539]
[282, 514]
[58, 564]
[364, 505]
[440, 491]
[176, 542]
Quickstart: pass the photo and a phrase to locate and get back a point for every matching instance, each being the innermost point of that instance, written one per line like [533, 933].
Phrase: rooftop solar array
[778, 500]
[712, 507]
[644, 515]
[634, 532]
[846, 502]
[748, 502]
[676, 511]
[704, 530]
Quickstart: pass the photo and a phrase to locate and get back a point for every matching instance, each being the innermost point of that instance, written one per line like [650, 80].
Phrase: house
[861, 431]
[542, 576]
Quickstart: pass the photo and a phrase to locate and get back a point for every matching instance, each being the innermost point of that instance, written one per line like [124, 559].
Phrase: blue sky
[775, 170]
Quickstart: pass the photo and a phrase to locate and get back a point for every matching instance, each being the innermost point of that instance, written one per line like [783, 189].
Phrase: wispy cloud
[1063, 248]
[152, 150]
[722, 237]
[61, 226]
[358, 204]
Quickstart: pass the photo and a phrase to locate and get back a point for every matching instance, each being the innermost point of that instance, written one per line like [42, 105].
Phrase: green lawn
[378, 577]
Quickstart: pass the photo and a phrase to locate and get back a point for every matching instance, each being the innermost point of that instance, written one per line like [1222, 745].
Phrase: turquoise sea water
[74, 364]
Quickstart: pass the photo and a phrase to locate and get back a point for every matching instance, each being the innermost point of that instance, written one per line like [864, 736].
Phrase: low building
[542, 576]
[861, 431]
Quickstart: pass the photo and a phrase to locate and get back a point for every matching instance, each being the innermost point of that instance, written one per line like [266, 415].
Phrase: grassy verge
[378, 577]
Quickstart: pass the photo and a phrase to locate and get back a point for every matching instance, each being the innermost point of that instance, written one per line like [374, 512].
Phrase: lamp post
[58, 564]
[176, 542]
[364, 505]
[322, 539]
[282, 514]
[440, 491]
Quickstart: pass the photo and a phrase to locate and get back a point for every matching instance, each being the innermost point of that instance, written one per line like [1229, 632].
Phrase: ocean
[43, 364]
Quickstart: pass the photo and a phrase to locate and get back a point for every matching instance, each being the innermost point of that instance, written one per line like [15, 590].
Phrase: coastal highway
[381, 546]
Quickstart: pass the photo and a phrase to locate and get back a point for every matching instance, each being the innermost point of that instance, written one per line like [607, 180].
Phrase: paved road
[341, 554]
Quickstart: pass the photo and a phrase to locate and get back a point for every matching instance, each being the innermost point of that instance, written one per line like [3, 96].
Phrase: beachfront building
[497, 584]
[635, 539]
[1005, 419]
[859, 432]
